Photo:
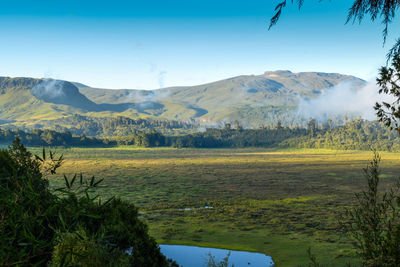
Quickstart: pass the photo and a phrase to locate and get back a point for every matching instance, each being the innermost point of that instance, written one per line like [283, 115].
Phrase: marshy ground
[278, 202]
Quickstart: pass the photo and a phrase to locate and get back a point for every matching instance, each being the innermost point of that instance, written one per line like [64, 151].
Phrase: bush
[373, 222]
[66, 226]
[78, 249]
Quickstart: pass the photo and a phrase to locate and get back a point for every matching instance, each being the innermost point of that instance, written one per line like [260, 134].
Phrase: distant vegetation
[118, 126]
[355, 135]
[49, 138]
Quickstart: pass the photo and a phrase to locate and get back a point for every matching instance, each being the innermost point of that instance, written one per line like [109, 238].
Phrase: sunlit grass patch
[277, 202]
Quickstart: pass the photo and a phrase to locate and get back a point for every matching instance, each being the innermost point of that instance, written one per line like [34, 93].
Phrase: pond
[191, 256]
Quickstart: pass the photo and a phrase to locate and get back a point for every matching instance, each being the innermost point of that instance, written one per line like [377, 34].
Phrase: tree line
[354, 135]
[39, 137]
[116, 126]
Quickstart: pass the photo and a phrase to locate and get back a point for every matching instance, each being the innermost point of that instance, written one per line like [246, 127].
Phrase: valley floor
[278, 202]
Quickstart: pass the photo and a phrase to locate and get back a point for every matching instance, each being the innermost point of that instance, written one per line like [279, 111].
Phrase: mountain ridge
[251, 99]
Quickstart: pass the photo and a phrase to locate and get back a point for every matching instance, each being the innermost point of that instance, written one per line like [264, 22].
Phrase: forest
[354, 135]
[116, 126]
[39, 137]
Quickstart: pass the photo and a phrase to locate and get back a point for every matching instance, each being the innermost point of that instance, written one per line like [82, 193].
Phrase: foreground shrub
[373, 222]
[28, 210]
[77, 249]
[66, 226]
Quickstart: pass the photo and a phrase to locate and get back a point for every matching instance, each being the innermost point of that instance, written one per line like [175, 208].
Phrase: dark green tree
[374, 221]
[388, 80]
[67, 226]
[312, 127]
[375, 9]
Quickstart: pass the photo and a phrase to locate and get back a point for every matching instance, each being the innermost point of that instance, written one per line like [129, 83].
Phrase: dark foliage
[67, 226]
[355, 135]
[51, 138]
[279, 7]
[373, 222]
[117, 126]
[385, 9]
[220, 138]
[388, 81]
[27, 209]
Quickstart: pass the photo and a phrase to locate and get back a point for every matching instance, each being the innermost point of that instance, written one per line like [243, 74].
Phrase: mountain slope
[28, 101]
[232, 98]
[251, 99]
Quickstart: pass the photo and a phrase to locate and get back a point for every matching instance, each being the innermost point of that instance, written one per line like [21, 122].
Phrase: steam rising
[340, 100]
[146, 98]
[48, 88]
[159, 73]
[161, 78]
[148, 95]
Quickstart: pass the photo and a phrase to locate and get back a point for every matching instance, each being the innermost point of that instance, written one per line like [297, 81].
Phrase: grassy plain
[275, 202]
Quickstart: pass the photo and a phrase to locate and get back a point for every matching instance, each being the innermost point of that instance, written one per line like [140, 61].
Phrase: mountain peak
[278, 72]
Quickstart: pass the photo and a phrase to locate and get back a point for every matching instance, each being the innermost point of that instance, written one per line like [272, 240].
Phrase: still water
[191, 256]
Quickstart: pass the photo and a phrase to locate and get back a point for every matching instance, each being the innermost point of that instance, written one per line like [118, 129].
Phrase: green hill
[251, 99]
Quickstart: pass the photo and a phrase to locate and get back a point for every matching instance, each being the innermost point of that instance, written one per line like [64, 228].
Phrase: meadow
[278, 202]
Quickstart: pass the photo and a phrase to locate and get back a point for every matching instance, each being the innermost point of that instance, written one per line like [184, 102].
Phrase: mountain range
[251, 99]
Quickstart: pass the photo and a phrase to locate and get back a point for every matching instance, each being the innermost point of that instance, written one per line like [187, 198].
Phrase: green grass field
[275, 202]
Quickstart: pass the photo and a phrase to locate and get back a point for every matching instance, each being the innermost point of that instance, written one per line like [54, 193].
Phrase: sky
[154, 44]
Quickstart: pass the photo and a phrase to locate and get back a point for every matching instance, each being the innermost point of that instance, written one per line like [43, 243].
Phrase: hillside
[251, 99]
[244, 97]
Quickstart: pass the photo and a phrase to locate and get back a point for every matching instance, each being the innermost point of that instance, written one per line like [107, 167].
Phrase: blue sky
[152, 44]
